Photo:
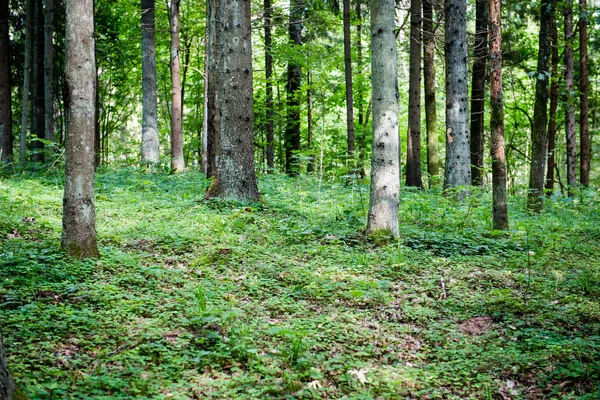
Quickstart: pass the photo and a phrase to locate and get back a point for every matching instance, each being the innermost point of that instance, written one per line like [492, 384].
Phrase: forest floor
[287, 299]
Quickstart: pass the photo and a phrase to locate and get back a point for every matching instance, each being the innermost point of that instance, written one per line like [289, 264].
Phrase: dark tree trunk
[294, 80]
[499, 210]
[49, 76]
[539, 140]
[570, 100]
[38, 125]
[7, 384]
[584, 81]
[478, 91]
[6, 151]
[413, 147]
[27, 76]
[177, 161]
[458, 155]
[269, 89]
[433, 161]
[236, 178]
[213, 116]
[359, 68]
[553, 106]
[150, 140]
[310, 167]
[79, 215]
[348, 76]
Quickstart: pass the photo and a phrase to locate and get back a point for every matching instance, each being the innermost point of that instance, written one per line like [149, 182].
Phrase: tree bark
[359, 98]
[7, 384]
[584, 81]
[38, 125]
[478, 91]
[6, 149]
[27, 75]
[49, 77]
[236, 178]
[433, 162]
[213, 116]
[177, 161]
[413, 147]
[348, 76]
[269, 88]
[553, 105]
[499, 207]
[204, 156]
[539, 140]
[570, 100]
[294, 80]
[79, 215]
[150, 140]
[458, 156]
[385, 168]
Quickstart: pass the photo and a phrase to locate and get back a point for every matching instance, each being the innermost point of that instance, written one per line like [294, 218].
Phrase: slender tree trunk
[359, 68]
[348, 75]
[150, 140]
[236, 178]
[7, 384]
[584, 81]
[38, 123]
[499, 210]
[570, 100]
[214, 55]
[79, 215]
[269, 88]
[49, 76]
[478, 91]
[27, 75]
[458, 156]
[5, 90]
[385, 164]
[413, 148]
[310, 167]
[539, 140]
[433, 162]
[177, 161]
[294, 80]
[204, 162]
[553, 105]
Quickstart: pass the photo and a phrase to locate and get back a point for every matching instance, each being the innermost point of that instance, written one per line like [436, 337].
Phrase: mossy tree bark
[6, 150]
[433, 161]
[150, 140]
[413, 146]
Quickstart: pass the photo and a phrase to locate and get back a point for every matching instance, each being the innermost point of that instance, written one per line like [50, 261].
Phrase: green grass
[286, 299]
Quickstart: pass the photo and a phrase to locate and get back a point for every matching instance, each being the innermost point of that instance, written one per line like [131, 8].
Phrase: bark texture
[5, 92]
[7, 384]
[213, 115]
[150, 140]
[539, 140]
[79, 214]
[413, 147]
[236, 178]
[269, 89]
[385, 168]
[433, 161]
[570, 100]
[294, 80]
[584, 82]
[553, 105]
[27, 75]
[177, 161]
[348, 76]
[38, 124]
[478, 90]
[49, 76]
[499, 207]
[458, 156]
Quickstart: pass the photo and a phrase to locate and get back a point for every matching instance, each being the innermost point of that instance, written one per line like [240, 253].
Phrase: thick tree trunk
[348, 76]
[7, 384]
[294, 80]
[553, 105]
[27, 75]
[478, 91]
[5, 91]
[49, 76]
[213, 116]
[236, 178]
[413, 147]
[269, 89]
[584, 81]
[177, 161]
[458, 155]
[570, 100]
[433, 161]
[150, 140]
[385, 163]
[539, 140]
[79, 215]
[499, 207]
[38, 125]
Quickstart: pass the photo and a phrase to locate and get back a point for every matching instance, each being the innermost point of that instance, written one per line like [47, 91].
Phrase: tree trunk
[478, 91]
[204, 156]
[236, 178]
[27, 75]
[269, 88]
[413, 147]
[385, 168]
[359, 98]
[539, 143]
[310, 167]
[177, 161]
[294, 79]
[570, 100]
[553, 105]
[49, 77]
[348, 76]
[150, 140]
[214, 55]
[38, 123]
[5, 91]
[584, 81]
[79, 215]
[458, 156]
[433, 162]
[499, 207]
[7, 384]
